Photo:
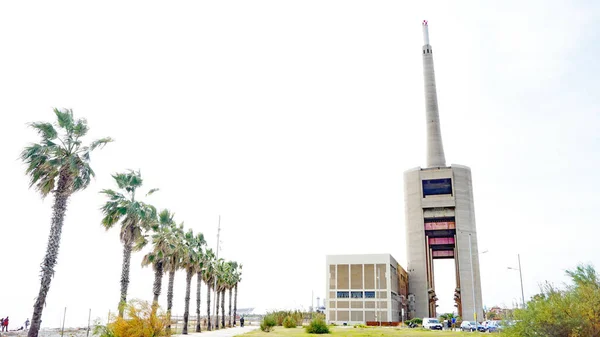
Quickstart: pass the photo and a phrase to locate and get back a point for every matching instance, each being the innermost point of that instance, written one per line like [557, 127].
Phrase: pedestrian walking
[5, 324]
[26, 323]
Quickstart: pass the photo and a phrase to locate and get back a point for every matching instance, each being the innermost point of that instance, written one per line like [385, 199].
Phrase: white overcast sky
[294, 120]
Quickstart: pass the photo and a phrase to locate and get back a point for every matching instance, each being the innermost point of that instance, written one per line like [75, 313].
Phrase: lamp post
[521, 276]
[377, 299]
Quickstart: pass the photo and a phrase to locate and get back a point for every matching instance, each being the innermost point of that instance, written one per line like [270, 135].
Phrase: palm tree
[135, 216]
[217, 285]
[172, 264]
[200, 265]
[59, 164]
[189, 262]
[208, 276]
[230, 283]
[223, 275]
[163, 241]
[238, 279]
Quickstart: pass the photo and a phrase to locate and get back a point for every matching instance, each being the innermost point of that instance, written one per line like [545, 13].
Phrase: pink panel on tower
[431, 226]
[443, 253]
[441, 241]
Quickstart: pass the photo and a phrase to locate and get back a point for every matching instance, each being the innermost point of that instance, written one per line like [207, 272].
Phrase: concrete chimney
[435, 148]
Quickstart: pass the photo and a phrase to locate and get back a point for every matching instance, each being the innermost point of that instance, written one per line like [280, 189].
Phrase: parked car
[468, 326]
[494, 326]
[432, 323]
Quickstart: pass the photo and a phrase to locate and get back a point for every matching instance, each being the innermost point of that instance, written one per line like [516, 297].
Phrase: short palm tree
[208, 276]
[200, 265]
[136, 218]
[230, 284]
[59, 164]
[171, 264]
[238, 279]
[218, 271]
[223, 275]
[163, 241]
[189, 263]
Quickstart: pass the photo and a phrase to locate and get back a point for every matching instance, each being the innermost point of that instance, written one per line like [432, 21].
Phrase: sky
[294, 121]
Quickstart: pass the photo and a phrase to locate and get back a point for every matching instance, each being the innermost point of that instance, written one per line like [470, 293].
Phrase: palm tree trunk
[158, 274]
[235, 305]
[199, 279]
[229, 308]
[127, 248]
[58, 215]
[217, 312]
[208, 321]
[186, 311]
[223, 308]
[170, 299]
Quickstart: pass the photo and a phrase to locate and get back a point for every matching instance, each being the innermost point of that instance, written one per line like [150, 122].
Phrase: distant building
[365, 288]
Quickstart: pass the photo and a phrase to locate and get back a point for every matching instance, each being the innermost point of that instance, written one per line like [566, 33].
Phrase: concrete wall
[465, 225]
[359, 273]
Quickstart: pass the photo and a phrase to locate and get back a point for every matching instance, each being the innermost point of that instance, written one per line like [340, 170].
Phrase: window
[356, 294]
[343, 294]
[437, 186]
[369, 294]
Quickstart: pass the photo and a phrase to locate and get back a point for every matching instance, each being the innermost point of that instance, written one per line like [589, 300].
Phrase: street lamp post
[521, 277]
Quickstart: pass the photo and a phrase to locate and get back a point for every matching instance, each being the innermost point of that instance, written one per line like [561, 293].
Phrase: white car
[432, 323]
[468, 326]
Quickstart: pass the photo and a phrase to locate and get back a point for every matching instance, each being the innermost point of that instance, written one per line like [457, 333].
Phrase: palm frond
[46, 130]
[152, 191]
[65, 118]
[80, 129]
[100, 143]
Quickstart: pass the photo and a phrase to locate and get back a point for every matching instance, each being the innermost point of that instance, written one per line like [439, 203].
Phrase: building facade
[440, 217]
[365, 288]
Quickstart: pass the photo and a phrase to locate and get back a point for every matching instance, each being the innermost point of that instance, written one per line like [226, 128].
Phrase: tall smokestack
[435, 148]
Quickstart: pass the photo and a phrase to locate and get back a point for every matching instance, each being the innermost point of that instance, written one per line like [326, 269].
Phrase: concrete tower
[440, 217]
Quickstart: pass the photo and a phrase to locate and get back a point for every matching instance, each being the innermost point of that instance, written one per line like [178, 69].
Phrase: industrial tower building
[440, 217]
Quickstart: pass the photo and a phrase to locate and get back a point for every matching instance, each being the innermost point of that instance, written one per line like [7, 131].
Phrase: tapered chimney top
[425, 32]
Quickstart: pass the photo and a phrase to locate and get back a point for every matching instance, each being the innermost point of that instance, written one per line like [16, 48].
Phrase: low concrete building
[365, 288]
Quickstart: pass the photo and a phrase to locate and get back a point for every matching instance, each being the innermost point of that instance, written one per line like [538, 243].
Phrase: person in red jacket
[5, 324]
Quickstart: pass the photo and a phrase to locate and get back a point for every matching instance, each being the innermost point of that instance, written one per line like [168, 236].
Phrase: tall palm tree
[135, 216]
[238, 279]
[208, 276]
[172, 264]
[163, 241]
[59, 164]
[189, 263]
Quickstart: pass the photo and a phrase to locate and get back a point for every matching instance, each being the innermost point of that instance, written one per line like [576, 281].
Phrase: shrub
[289, 322]
[268, 323]
[361, 326]
[280, 315]
[317, 326]
[141, 321]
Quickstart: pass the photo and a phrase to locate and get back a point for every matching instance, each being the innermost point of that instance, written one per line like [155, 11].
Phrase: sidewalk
[230, 332]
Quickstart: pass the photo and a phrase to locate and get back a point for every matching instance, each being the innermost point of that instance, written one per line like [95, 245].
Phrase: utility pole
[215, 305]
[89, 318]
[521, 276]
[62, 331]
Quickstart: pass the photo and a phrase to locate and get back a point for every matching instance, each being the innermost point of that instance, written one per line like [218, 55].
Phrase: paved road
[222, 333]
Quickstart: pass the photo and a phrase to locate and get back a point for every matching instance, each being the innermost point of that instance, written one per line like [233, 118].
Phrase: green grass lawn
[357, 332]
